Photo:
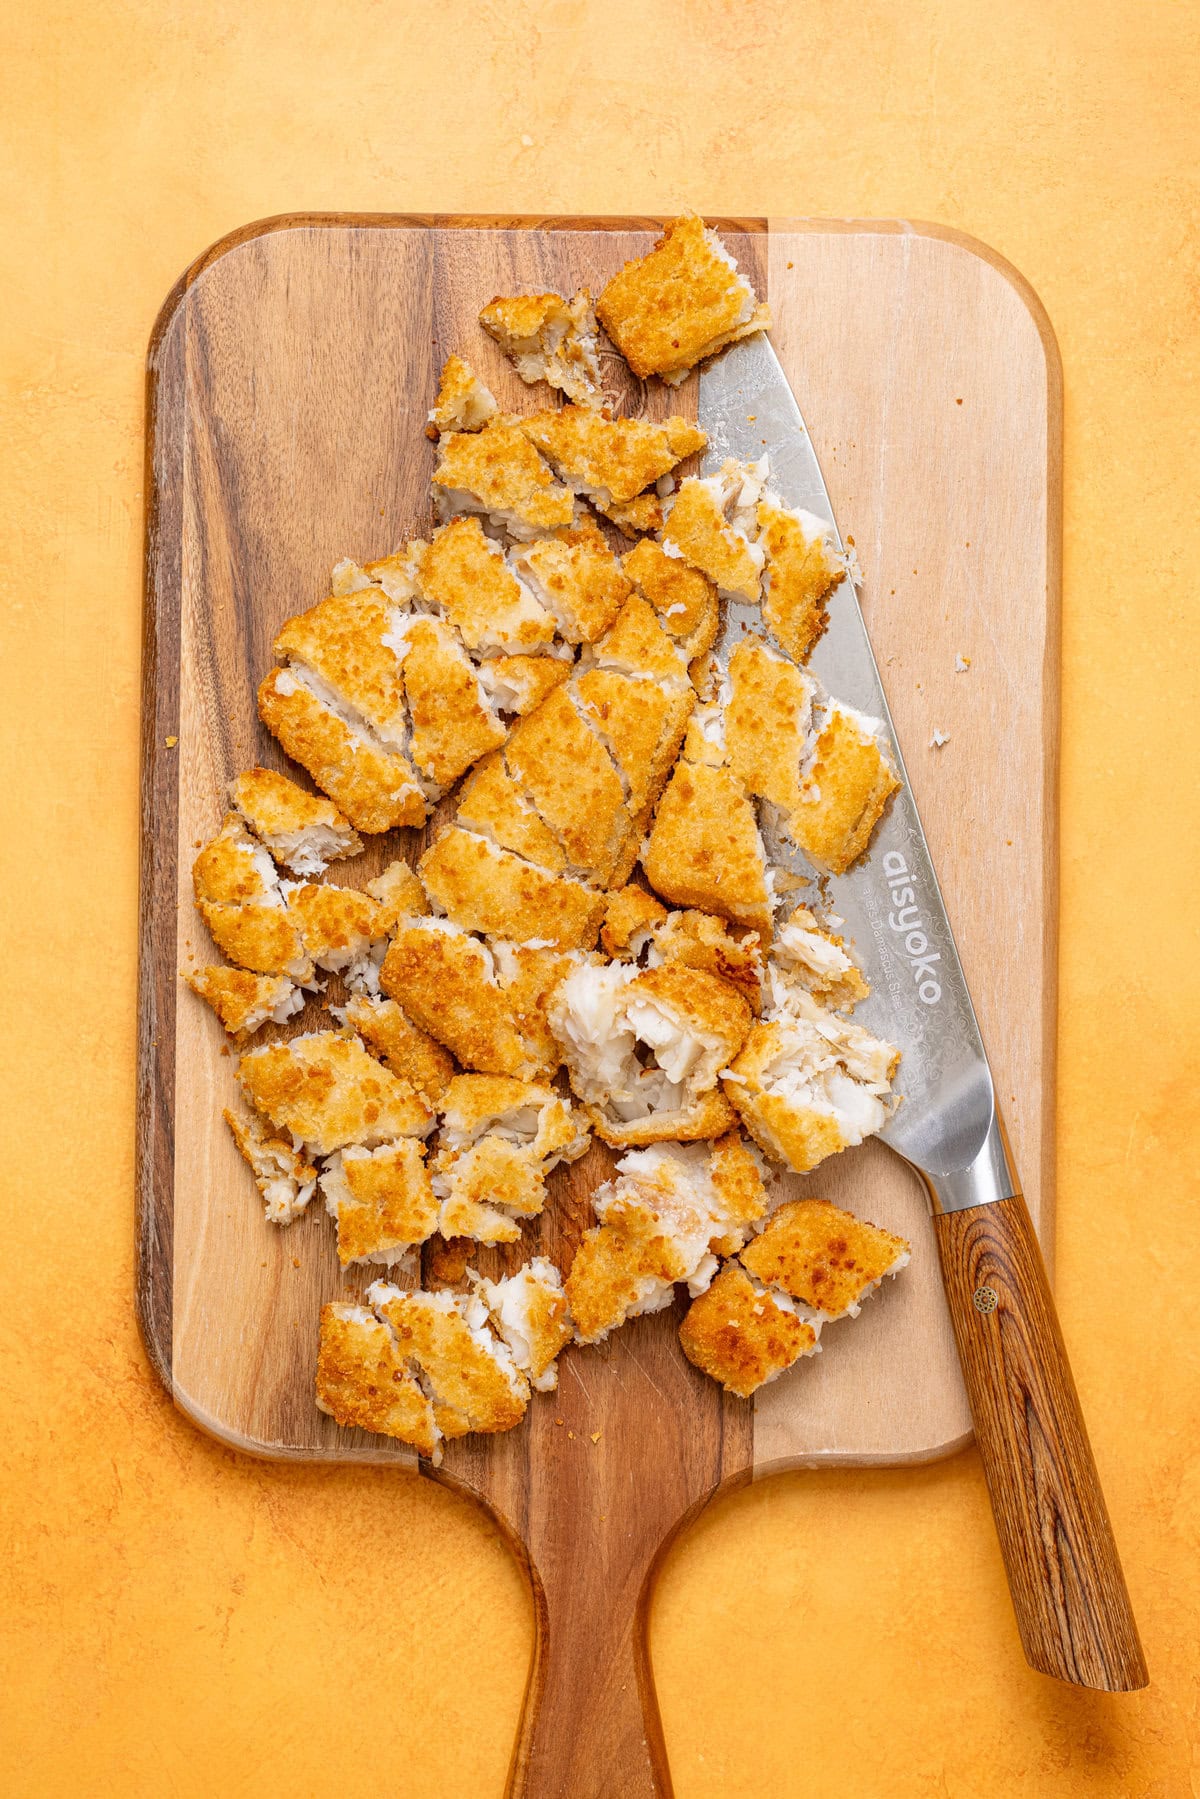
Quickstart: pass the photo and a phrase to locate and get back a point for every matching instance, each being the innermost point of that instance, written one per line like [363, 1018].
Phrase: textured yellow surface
[174, 1620]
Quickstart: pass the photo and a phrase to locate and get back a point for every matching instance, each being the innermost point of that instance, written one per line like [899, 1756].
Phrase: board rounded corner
[850, 1460]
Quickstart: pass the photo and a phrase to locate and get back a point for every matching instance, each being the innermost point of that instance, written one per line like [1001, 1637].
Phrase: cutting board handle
[1064, 1573]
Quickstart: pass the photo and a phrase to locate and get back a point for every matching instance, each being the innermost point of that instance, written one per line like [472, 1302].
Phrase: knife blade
[1064, 1573]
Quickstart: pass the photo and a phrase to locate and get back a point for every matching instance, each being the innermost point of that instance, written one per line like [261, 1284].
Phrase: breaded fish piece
[345, 641]
[244, 1002]
[365, 1380]
[446, 982]
[850, 780]
[528, 1309]
[806, 955]
[302, 832]
[768, 721]
[824, 1257]
[636, 644]
[328, 1091]
[610, 460]
[470, 1374]
[463, 402]
[399, 895]
[239, 897]
[698, 940]
[464, 573]
[382, 1200]
[736, 1170]
[286, 1181]
[568, 777]
[549, 339]
[452, 721]
[531, 974]
[396, 574]
[411, 1054]
[803, 569]
[485, 888]
[630, 920]
[376, 787]
[697, 528]
[808, 1084]
[527, 1112]
[643, 513]
[493, 805]
[519, 684]
[742, 1335]
[668, 310]
[643, 1048]
[641, 725]
[499, 1140]
[485, 1190]
[684, 598]
[337, 924]
[705, 851]
[498, 473]
[577, 580]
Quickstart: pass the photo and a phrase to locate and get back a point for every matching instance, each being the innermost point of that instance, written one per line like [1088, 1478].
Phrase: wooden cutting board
[290, 374]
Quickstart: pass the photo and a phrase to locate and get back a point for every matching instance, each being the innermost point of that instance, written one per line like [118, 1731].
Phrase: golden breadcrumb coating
[576, 577]
[300, 830]
[698, 1119]
[641, 725]
[704, 848]
[519, 684]
[374, 786]
[735, 1171]
[337, 924]
[465, 575]
[233, 869]
[485, 888]
[668, 310]
[527, 1111]
[498, 472]
[446, 982]
[473, 1379]
[801, 574]
[452, 724]
[529, 1311]
[530, 975]
[768, 723]
[804, 954]
[327, 1091]
[285, 1180]
[342, 640]
[492, 804]
[493, 1173]
[697, 940]
[697, 528]
[741, 1336]
[399, 894]
[632, 915]
[396, 574]
[240, 900]
[363, 1380]
[610, 460]
[568, 776]
[244, 1001]
[824, 1257]
[643, 513]
[411, 1054]
[382, 1199]
[258, 937]
[463, 402]
[685, 600]
[849, 783]
[636, 644]
[549, 339]
[618, 1266]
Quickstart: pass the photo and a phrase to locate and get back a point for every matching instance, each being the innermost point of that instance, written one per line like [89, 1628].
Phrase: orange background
[176, 1620]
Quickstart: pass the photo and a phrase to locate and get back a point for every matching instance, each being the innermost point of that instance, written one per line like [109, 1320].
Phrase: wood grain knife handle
[1064, 1573]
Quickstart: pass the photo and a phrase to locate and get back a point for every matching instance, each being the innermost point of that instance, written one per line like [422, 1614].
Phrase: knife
[1064, 1573]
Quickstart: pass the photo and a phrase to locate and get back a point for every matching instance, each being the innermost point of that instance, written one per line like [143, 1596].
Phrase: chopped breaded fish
[549, 339]
[498, 473]
[244, 1001]
[526, 1112]
[492, 804]
[239, 897]
[519, 684]
[486, 1189]
[849, 781]
[802, 570]
[382, 1199]
[630, 920]
[742, 1335]
[349, 577]
[705, 851]
[698, 940]
[685, 600]
[736, 1169]
[396, 574]
[610, 460]
[643, 1048]
[698, 528]
[411, 1054]
[337, 925]
[286, 1181]
[469, 1372]
[485, 888]
[453, 723]
[529, 1310]
[684, 301]
[568, 777]
[808, 1084]
[577, 579]
[446, 982]
[824, 1257]
[768, 724]
[375, 786]
[345, 641]
[641, 724]
[303, 832]
[364, 1379]
[637, 645]
[643, 513]
[399, 894]
[804, 954]
[531, 974]
[328, 1091]
[463, 572]
[463, 402]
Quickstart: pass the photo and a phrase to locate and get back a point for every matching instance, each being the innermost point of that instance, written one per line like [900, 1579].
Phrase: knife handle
[1064, 1573]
